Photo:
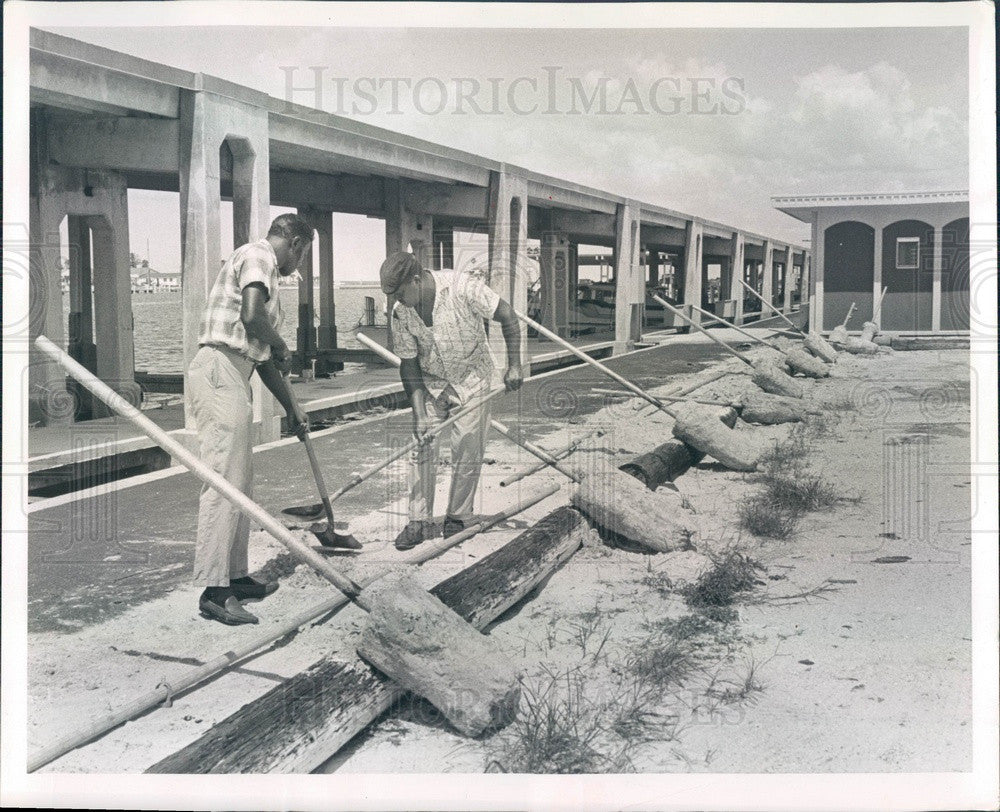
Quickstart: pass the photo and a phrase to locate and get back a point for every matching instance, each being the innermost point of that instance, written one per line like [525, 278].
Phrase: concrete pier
[104, 122]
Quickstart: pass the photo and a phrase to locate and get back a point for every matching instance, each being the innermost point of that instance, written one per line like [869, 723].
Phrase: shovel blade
[329, 537]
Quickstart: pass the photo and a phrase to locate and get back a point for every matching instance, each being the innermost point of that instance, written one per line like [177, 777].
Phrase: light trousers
[218, 381]
[468, 441]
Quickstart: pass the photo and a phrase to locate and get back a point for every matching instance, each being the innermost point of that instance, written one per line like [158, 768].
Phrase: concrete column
[508, 251]
[113, 304]
[787, 301]
[554, 262]
[630, 287]
[877, 273]
[767, 289]
[48, 401]
[736, 263]
[206, 122]
[405, 231]
[692, 266]
[305, 335]
[81, 303]
[936, 279]
[653, 265]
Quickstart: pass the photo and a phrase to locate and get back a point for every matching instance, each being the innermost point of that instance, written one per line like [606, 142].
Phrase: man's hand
[447, 400]
[421, 423]
[282, 357]
[298, 422]
[513, 377]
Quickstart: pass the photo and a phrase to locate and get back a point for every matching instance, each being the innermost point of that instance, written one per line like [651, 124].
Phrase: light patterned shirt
[220, 322]
[454, 349]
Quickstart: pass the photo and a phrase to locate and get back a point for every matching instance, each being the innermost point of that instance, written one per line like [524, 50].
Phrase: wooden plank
[298, 725]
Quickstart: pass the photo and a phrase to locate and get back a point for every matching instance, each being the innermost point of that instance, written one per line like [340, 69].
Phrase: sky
[781, 111]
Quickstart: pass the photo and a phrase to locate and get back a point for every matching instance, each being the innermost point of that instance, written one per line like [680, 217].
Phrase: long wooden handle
[318, 476]
[406, 449]
[850, 312]
[878, 303]
[701, 329]
[772, 308]
[120, 406]
[740, 330]
[593, 362]
[499, 427]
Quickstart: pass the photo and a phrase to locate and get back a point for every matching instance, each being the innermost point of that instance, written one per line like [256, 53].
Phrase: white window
[907, 253]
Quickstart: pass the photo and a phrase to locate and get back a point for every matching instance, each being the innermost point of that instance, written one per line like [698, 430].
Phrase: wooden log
[929, 343]
[700, 427]
[773, 379]
[838, 335]
[760, 407]
[820, 347]
[421, 643]
[869, 330]
[810, 366]
[621, 505]
[301, 723]
[858, 346]
[668, 461]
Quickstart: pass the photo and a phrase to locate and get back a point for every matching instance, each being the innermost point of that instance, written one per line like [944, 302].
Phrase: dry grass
[759, 517]
[733, 573]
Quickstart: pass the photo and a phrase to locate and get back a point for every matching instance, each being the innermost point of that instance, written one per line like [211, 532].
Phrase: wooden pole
[669, 398]
[563, 452]
[745, 359]
[740, 330]
[150, 700]
[497, 426]
[120, 406]
[594, 363]
[773, 309]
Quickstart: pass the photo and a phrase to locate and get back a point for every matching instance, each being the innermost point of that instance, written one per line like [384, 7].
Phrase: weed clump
[760, 517]
[733, 573]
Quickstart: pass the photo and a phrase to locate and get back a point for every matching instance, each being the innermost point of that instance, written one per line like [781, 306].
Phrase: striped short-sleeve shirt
[220, 321]
[454, 349]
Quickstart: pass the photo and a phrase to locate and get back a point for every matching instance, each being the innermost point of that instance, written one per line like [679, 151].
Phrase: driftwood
[869, 330]
[929, 343]
[770, 377]
[858, 346]
[820, 347]
[810, 366]
[623, 506]
[759, 407]
[668, 461]
[421, 643]
[700, 426]
[298, 725]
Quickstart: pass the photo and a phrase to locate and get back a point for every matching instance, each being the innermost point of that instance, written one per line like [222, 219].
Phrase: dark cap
[396, 269]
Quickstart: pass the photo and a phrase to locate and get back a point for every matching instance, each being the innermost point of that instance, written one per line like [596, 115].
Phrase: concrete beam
[93, 87]
[584, 224]
[446, 200]
[340, 193]
[378, 156]
[567, 195]
[116, 143]
[662, 235]
[508, 251]
[693, 252]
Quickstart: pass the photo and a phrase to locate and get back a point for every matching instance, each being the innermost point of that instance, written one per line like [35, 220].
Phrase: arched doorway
[955, 275]
[907, 271]
[848, 270]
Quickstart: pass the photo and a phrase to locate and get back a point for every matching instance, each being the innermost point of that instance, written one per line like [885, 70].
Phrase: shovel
[460, 671]
[326, 534]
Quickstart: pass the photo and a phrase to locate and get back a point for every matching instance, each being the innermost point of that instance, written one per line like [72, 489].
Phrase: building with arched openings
[913, 244]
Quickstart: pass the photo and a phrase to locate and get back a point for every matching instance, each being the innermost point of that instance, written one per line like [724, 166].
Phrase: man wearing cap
[240, 333]
[438, 332]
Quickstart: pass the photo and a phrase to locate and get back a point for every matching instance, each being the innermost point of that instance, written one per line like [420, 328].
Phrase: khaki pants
[219, 384]
[468, 441]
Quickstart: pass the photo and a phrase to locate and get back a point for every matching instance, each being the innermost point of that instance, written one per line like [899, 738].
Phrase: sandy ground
[873, 675]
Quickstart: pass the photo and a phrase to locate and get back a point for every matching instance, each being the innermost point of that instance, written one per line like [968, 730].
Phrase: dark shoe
[413, 534]
[452, 526]
[248, 588]
[230, 612]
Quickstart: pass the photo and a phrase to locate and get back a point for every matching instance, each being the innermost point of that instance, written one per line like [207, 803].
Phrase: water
[158, 321]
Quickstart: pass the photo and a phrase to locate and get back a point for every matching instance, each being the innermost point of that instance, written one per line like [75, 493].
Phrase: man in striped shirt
[239, 334]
